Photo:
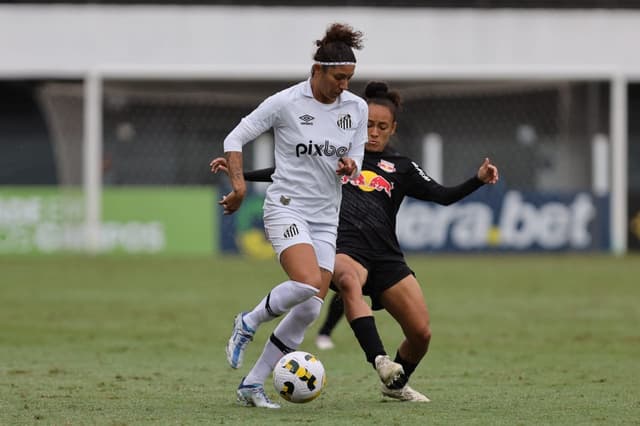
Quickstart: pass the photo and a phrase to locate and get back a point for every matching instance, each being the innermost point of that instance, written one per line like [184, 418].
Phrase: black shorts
[383, 272]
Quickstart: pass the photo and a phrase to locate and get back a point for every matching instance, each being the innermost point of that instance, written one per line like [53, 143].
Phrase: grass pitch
[139, 340]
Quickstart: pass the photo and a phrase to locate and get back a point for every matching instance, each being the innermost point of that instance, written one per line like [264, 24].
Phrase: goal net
[541, 133]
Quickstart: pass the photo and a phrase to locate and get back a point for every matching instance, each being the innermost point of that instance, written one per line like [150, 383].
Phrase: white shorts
[284, 229]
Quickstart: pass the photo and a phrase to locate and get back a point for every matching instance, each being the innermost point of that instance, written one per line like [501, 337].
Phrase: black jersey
[370, 202]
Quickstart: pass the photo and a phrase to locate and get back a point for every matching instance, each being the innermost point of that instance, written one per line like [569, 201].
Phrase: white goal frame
[95, 78]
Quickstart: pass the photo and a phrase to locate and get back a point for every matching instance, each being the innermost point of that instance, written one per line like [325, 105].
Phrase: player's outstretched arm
[425, 188]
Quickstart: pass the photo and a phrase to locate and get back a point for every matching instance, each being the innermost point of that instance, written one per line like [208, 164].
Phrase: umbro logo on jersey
[344, 121]
[306, 120]
[291, 231]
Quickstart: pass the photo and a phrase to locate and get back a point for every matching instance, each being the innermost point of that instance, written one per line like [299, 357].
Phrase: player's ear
[393, 127]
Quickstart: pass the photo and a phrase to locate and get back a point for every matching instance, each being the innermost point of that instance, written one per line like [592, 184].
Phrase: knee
[312, 278]
[421, 337]
[425, 337]
[348, 284]
[308, 311]
[306, 275]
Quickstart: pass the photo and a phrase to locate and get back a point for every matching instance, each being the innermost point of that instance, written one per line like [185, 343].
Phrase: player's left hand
[346, 167]
[488, 173]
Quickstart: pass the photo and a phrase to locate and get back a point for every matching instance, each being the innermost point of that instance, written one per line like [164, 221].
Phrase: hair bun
[376, 89]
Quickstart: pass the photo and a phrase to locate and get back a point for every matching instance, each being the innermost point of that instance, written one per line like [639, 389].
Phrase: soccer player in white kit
[320, 132]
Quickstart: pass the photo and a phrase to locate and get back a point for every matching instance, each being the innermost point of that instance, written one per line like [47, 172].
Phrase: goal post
[92, 158]
[619, 163]
[95, 80]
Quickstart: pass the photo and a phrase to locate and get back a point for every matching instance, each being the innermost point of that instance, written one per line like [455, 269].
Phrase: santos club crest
[344, 121]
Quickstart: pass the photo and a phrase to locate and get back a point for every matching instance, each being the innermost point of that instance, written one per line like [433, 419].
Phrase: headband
[335, 63]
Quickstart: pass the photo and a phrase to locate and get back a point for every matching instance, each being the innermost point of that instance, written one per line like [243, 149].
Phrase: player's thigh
[405, 302]
[304, 250]
[326, 281]
[300, 263]
[349, 274]
[324, 245]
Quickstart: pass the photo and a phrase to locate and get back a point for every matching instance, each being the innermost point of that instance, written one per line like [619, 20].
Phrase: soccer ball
[299, 377]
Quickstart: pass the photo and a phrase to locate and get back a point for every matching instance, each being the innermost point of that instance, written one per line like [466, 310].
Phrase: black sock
[367, 334]
[407, 366]
[336, 309]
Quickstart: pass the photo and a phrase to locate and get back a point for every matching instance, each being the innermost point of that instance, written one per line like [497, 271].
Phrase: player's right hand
[231, 202]
[346, 167]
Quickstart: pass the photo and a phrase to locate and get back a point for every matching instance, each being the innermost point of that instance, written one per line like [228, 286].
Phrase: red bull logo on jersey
[369, 181]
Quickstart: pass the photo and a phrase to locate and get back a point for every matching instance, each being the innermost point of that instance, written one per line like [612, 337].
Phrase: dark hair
[337, 44]
[377, 92]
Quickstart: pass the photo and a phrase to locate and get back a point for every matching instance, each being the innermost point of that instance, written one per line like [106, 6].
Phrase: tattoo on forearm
[234, 165]
[236, 175]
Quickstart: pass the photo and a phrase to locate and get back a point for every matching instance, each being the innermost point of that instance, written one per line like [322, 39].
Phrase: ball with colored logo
[299, 377]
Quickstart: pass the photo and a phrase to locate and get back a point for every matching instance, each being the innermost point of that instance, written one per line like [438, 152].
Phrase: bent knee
[421, 336]
[312, 278]
[347, 282]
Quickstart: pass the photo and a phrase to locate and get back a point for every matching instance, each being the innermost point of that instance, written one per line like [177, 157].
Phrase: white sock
[290, 332]
[264, 365]
[291, 329]
[281, 298]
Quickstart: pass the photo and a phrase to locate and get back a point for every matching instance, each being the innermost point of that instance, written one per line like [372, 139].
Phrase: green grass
[139, 340]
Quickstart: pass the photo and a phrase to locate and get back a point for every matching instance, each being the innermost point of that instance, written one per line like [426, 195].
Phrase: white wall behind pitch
[41, 40]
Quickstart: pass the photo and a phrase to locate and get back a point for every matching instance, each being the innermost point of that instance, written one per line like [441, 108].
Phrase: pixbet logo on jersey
[369, 181]
[318, 149]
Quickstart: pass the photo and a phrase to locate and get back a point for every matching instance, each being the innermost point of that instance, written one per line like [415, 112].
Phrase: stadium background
[137, 339]
[159, 134]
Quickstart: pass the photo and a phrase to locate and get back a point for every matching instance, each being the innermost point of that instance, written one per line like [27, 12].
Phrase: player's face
[380, 127]
[328, 82]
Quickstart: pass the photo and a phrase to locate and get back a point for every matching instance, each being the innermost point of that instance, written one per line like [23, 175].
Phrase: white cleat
[324, 342]
[254, 396]
[240, 338]
[404, 394]
[391, 373]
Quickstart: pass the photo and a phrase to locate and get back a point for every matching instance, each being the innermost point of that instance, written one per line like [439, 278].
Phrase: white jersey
[310, 137]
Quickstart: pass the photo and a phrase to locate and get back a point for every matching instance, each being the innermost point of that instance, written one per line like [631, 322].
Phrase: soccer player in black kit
[369, 260]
